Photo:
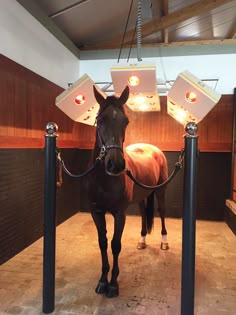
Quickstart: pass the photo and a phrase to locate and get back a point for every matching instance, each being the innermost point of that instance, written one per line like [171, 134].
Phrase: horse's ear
[99, 98]
[124, 95]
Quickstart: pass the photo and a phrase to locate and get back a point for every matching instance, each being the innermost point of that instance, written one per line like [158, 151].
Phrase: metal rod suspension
[139, 30]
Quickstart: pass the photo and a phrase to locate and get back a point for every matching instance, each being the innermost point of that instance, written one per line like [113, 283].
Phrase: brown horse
[110, 189]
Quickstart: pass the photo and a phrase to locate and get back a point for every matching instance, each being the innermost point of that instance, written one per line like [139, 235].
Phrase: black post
[49, 251]
[189, 221]
[233, 166]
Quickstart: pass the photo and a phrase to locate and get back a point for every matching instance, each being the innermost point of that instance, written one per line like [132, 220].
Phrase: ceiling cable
[131, 43]
[123, 39]
[139, 30]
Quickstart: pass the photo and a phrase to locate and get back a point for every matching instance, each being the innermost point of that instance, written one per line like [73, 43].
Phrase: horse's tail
[150, 212]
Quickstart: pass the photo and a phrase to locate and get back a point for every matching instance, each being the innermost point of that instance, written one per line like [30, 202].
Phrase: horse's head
[111, 125]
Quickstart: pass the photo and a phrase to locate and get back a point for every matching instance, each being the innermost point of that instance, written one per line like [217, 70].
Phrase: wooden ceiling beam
[151, 27]
[165, 11]
[169, 44]
[232, 34]
[177, 17]
[191, 43]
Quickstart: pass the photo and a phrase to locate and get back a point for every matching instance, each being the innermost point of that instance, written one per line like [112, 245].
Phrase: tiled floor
[149, 279]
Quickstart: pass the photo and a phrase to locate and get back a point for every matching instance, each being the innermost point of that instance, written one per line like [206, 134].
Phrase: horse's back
[143, 151]
[147, 164]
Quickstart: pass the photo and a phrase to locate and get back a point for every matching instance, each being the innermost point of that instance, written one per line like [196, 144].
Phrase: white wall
[24, 40]
[221, 67]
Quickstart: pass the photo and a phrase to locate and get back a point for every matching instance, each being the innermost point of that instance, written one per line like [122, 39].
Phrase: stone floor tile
[150, 280]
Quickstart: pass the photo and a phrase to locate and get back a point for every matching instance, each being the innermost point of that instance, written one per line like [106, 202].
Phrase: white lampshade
[141, 79]
[78, 101]
[190, 99]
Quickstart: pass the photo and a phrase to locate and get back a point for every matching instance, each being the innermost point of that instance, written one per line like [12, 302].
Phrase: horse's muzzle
[113, 174]
[114, 167]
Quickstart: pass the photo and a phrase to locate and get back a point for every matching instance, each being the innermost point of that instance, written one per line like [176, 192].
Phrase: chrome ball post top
[51, 128]
[191, 128]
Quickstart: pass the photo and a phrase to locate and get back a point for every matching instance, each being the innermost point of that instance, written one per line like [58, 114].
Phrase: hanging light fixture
[141, 79]
[78, 101]
[190, 99]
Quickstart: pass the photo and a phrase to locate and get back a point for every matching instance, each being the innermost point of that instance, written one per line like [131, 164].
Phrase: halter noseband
[104, 148]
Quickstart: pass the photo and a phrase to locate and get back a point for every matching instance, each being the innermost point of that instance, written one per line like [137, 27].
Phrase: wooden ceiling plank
[193, 43]
[179, 16]
[169, 44]
[165, 11]
[151, 27]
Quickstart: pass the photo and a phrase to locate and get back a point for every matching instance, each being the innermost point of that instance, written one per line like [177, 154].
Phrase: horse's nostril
[109, 165]
[115, 167]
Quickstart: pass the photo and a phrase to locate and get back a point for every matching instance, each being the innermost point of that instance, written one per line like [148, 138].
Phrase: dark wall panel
[213, 184]
[22, 198]
[213, 180]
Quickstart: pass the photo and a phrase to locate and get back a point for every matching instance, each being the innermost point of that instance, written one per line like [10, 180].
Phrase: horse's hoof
[101, 287]
[141, 245]
[164, 246]
[112, 291]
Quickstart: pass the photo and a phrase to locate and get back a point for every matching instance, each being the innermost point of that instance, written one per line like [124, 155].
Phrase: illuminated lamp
[143, 107]
[141, 79]
[190, 99]
[133, 80]
[78, 101]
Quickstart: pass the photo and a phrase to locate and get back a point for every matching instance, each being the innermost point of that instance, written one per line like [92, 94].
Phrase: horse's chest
[106, 192]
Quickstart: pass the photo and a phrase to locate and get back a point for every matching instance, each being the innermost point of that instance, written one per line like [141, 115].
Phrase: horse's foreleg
[100, 222]
[142, 241]
[162, 211]
[119, 223]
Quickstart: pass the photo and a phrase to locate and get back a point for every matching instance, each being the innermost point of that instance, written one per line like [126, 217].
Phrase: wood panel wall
[27, 103]
[158, 128]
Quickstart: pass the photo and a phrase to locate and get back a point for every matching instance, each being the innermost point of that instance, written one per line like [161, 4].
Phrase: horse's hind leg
[119, 223]
[100, 222]
[142, 242]
[160, 194]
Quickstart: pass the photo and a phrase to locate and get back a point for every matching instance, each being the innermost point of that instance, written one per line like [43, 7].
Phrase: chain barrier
[178, 166]
[62, 164]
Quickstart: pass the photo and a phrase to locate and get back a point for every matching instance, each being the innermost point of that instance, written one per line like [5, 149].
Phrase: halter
[104, 148]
